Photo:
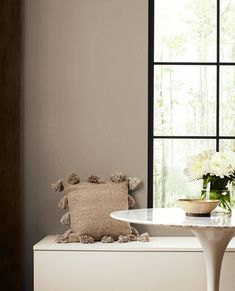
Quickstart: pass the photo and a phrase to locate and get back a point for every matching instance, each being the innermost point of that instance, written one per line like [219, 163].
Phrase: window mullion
[150, 102]
[218, 78]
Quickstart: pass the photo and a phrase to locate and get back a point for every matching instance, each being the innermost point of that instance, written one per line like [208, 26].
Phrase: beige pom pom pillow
[89, 205]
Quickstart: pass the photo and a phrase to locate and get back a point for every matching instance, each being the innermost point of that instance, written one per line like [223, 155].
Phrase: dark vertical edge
[218, 75]
[10, 196]
[150, 99]
[24, 271]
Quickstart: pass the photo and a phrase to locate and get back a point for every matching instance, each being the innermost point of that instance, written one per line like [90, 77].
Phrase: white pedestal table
[214, 233]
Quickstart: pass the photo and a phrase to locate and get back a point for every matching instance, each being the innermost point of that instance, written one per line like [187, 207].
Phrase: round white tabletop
[214, 232]
[174, 217]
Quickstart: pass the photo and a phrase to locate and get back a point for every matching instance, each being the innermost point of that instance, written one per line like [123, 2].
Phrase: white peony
[231, 157]
[198, 166]
[220, 164]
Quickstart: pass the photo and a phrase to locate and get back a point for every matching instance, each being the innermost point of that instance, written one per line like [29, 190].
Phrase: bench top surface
[156, 244]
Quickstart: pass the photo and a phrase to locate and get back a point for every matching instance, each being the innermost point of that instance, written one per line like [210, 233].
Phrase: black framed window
[191, 90]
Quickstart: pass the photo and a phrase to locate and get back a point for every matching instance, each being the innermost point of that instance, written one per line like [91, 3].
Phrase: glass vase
[222, 195]
[218, 189]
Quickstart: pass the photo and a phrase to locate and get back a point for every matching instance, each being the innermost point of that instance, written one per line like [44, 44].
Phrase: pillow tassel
[124, 238]
[107, 239]
[131, 201]
[63, 203]
[63, 238]
[133, 183]
[144, 237]
[73, 178]
[95, 179]
[117, 177]
[86, 239]
[134, 231]
[58, 186]
[65, 219]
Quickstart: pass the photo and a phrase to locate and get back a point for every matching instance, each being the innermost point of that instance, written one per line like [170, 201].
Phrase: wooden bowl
[197, 207]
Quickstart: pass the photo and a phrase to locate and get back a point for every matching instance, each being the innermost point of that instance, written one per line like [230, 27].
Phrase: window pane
[170, 159]
[184, 100]
[185, 30]
[227, 28]
[227, 145]
[227, 100]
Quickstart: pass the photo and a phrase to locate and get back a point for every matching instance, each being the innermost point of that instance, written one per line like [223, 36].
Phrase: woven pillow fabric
[90, 206]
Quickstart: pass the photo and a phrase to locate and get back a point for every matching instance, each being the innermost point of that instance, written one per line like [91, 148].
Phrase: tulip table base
[214, 243]
[214, 233]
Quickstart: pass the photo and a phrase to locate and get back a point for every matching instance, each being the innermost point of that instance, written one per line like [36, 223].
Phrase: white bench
[163, 264]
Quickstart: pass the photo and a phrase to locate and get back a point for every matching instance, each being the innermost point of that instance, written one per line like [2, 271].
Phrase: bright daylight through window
[191, 90]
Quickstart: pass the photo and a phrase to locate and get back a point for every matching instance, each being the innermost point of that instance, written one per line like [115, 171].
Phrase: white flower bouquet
[217, 170]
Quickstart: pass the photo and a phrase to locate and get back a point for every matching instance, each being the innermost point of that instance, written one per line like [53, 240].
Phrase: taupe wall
[85, 100]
